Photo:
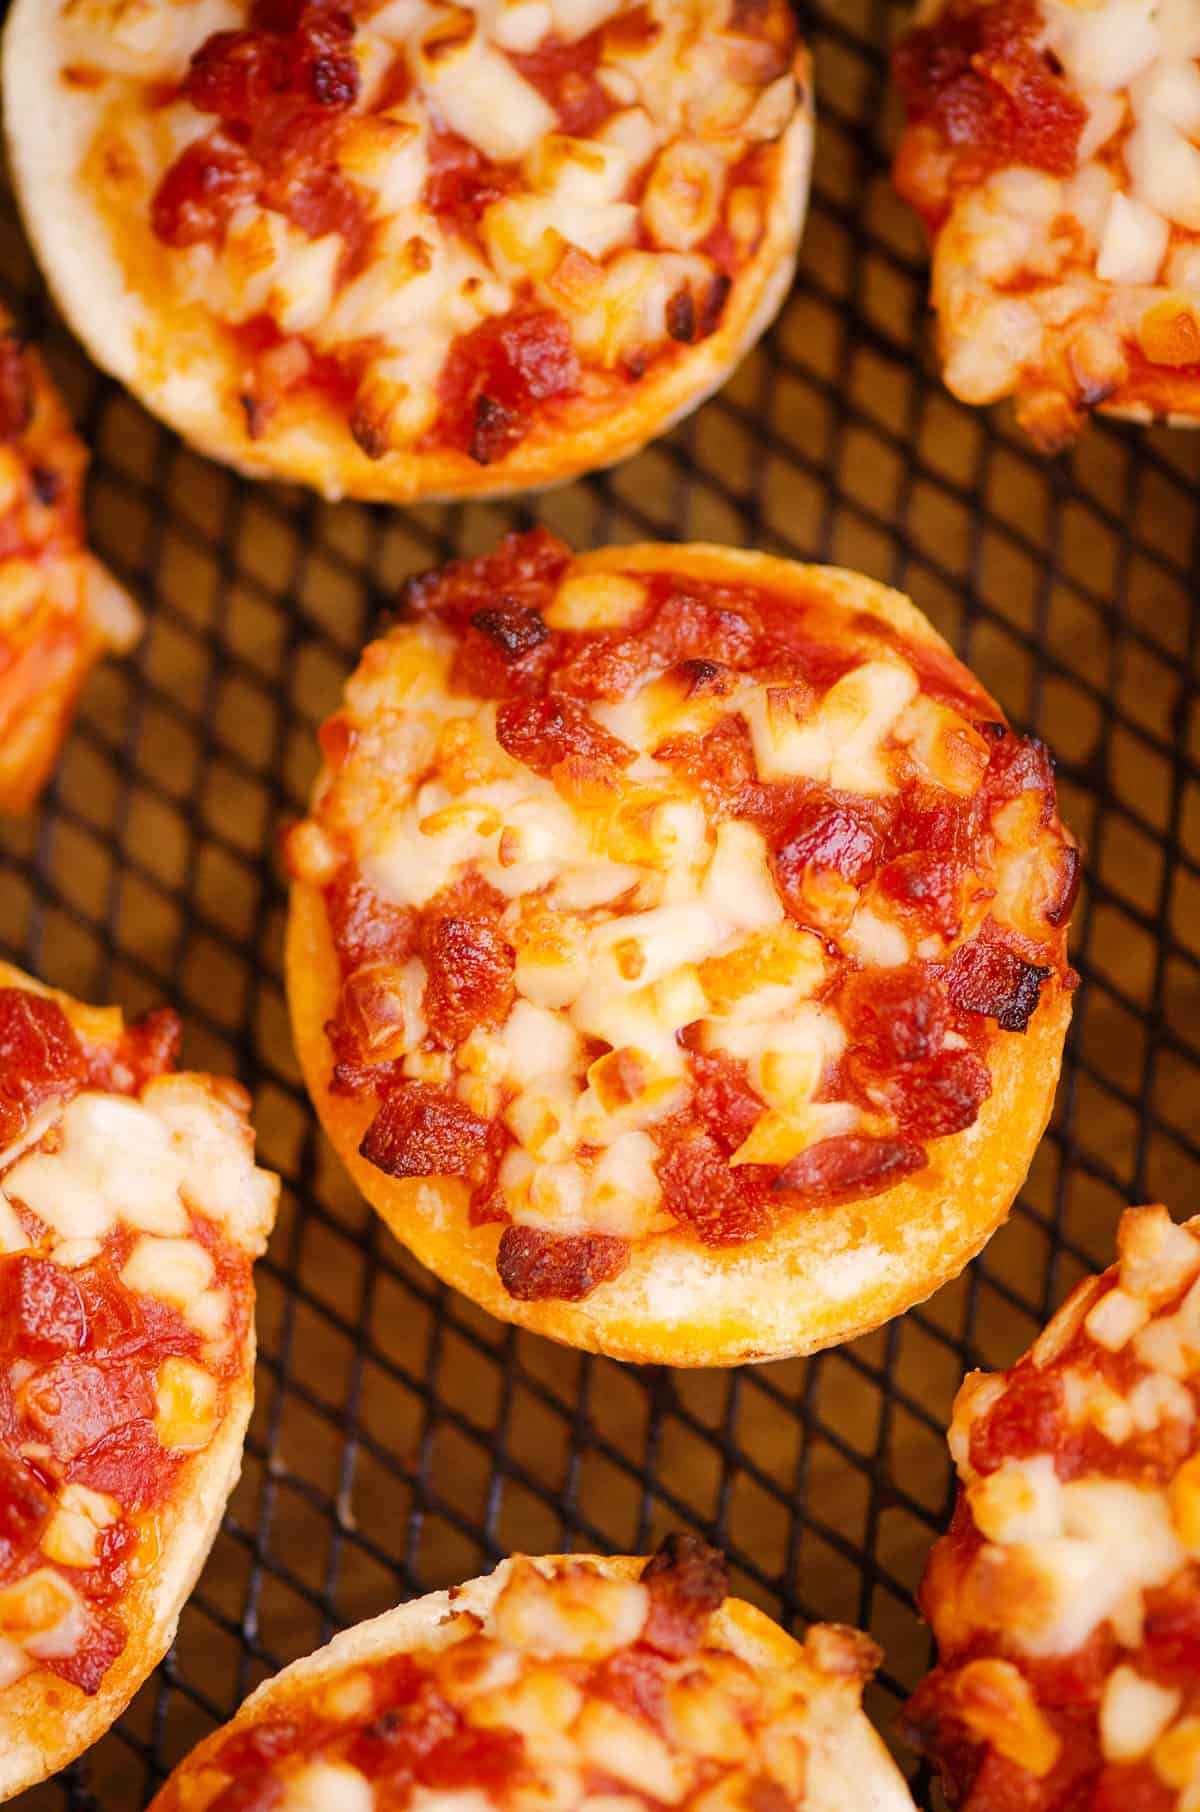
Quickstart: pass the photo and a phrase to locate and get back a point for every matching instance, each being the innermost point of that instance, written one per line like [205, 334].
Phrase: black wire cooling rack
[403, 1441]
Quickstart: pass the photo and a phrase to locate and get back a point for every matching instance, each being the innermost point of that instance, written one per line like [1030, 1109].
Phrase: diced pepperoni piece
[942, 1096]
[420, 1131]
[199, 194]
[535, 1266]
[505, 650]
[40, 1056]
[1029, 1418]
[1172, 1627]
[525, 567]
[722, 1205]
[635, 1680]
[723, 1098]
[259, 1746]
[603, 666]
[42, 1310]
[702, 621]
[75, 1402]
[16, 390]
[364, 926]
[851, 1166]
[87, 1665]
[894, 1016]
[1020, 764]
[25, 1505]
[470, 976]
[829, 834]
[495, 374]
[149, 1048]
[129, 1464]
[986, 977]
[461, 182]
[929, 887]
[486, 1760]
[544, 732]
[566, 75]
[113, 1321]
[1130, 1787]
[687, 1581]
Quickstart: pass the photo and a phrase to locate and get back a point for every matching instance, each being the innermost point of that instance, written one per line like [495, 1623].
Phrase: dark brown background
[403, 1441]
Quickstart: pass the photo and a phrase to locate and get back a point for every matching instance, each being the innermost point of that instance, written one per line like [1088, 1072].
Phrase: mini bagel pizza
[59, 608]
[406, 248]
[1053, 151]
[677, 952]
[1065, 1598]
[130, 1213]
[576, 1682]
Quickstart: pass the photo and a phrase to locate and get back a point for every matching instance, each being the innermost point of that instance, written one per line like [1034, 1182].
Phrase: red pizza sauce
[976, 77]
[1028, 1419]
[922, 846]
[78, 1349]
[412, 1735]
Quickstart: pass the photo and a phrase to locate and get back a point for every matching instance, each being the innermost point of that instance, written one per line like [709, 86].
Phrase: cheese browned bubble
[1066, 1597]
[1070, 278]
[645, 973]
[113, 1205]
[593, 180]
[566, 1681]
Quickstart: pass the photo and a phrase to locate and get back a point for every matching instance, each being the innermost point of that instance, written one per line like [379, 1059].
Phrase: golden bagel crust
[1067, 278]
[827, 1274]
[849, 1770]
[46, 1722]
[60, 609]
[179, 362]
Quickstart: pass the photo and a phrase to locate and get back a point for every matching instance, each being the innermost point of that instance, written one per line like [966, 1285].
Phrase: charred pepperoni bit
[851, 1166]
[40, 1056]
[687, 1582]
[526, 568]
[41, 1309]
[544, 732]
[470, 977]
[722, 1097]
[720, 1204]
[16, 390]
[1028, 1419]
[703, 623]
[505, 649]
[535, 1266]
[986, 977]
[302, 52]
[515, 629]
[365, 927]
[513, 361]
[421, 1132]
[25, 1504]
[681, 317]
[977, 75]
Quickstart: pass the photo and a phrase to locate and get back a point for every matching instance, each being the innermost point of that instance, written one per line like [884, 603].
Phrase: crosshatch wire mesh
[402, 1440]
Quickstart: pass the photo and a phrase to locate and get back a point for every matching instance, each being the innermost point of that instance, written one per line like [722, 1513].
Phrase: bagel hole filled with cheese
[578, 1681]
[1065, 1597]
[131, 1212]
[406, 248]
[677, 952]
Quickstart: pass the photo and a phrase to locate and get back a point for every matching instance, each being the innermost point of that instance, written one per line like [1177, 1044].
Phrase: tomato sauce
[918, 1036]
[78, 1349]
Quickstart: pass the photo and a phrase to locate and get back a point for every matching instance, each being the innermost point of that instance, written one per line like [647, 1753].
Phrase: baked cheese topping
[665, 907]
[575, 1689]
[1066, 1596]
[130, 1213]
[453, 223]
[1053, 149]
[59, 609]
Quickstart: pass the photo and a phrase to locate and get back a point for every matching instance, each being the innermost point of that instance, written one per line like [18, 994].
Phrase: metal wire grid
[402, 1440]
